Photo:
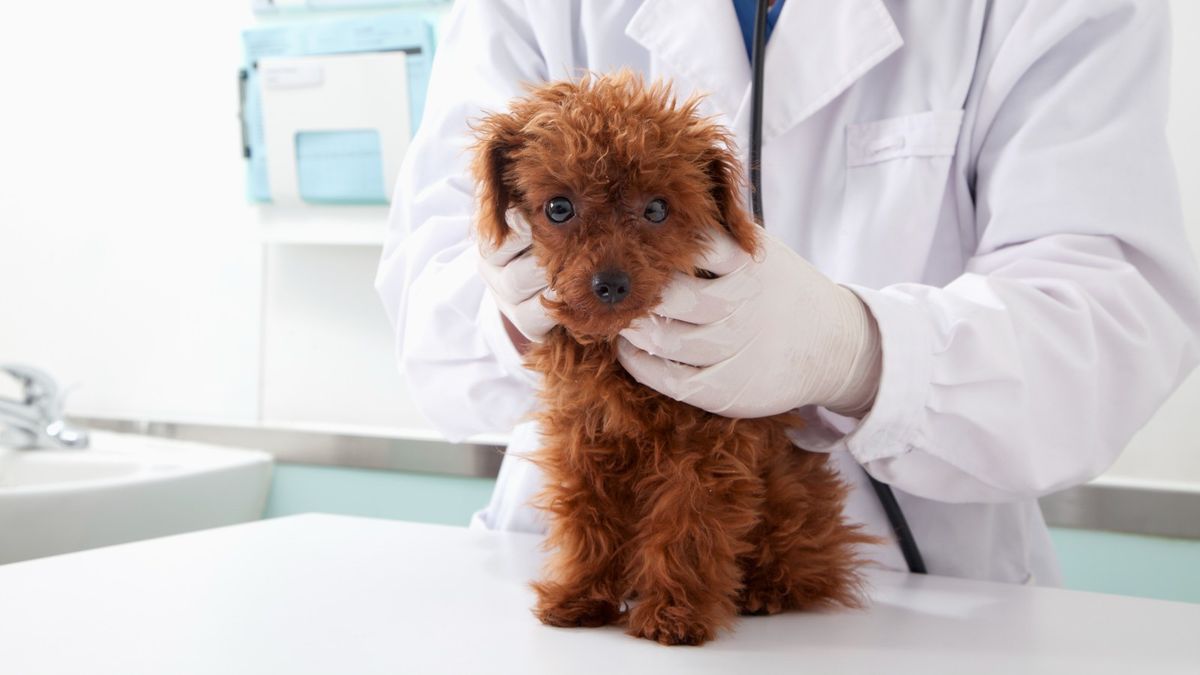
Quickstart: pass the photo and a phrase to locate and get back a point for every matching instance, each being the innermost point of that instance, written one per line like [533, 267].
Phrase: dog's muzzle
[611, 286]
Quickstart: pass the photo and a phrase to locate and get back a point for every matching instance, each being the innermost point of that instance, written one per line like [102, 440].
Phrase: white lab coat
[991, 178]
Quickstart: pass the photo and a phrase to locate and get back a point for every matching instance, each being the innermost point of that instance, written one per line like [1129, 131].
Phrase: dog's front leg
[805, 554]
[586, 537]
[696, 514]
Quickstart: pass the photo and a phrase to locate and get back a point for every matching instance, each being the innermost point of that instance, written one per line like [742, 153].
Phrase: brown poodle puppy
[688, 516]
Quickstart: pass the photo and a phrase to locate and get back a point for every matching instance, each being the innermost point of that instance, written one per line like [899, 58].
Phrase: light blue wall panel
[1128, 564]
[447, 500]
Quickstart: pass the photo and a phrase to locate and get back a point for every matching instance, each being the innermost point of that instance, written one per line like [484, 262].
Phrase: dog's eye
[559, 210]
[656, 210]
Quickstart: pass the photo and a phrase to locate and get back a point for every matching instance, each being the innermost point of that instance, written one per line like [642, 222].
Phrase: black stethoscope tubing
[883, 491]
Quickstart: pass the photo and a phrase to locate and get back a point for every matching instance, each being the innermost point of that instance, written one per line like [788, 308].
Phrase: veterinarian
[976, 255]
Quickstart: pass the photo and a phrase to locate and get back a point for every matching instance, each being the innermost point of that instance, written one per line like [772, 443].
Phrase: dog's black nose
[611, 286]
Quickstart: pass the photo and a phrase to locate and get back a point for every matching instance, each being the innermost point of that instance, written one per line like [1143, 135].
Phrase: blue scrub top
[745, 14]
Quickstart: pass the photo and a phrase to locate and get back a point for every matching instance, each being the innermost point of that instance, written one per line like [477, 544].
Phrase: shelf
[171, 426]
[349, 446]
[364, 431]
[321, 225]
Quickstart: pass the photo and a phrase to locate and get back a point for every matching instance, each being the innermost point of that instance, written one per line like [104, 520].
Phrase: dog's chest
[595, 411]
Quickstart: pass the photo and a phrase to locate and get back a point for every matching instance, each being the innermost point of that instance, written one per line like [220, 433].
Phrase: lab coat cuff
[890, 427]
[491, 326]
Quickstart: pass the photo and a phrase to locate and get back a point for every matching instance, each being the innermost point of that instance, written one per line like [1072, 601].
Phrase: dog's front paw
[557, 608]
[580, 613]
[762, 600]
[670, 625]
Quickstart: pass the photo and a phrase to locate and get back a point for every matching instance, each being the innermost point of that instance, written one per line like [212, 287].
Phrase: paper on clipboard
[340, 92]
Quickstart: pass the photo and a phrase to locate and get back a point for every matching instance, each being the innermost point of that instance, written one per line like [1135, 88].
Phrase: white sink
[123, 488]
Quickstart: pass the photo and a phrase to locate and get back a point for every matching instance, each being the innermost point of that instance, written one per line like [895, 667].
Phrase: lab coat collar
[699, 40]
[818, 49]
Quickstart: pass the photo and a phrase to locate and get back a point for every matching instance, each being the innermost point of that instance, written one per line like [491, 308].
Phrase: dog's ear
[497, 136]
[725, 173]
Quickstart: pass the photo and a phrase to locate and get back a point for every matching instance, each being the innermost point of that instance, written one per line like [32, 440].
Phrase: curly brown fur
[685, 517]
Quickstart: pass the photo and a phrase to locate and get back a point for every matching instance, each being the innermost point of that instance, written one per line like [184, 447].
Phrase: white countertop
[331, 594]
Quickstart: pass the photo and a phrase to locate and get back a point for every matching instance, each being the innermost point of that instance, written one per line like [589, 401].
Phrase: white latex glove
[516, 281]
[768, 335]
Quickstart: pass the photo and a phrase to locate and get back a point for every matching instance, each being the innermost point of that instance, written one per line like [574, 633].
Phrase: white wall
[128, 259]
[1169, 447]
[130, 262]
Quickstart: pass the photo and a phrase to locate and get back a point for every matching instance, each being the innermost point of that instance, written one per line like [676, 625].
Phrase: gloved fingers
[519, 239]
[683, 383]
[519, 280]
[530, 317]
[666, 377]
[687, 343]
[524, 277]
[700, 301]
[723, 255]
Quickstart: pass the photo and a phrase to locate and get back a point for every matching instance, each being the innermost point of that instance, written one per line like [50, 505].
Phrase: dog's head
[622, 187]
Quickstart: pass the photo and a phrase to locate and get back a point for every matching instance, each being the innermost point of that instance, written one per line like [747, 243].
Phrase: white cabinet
[327, 344]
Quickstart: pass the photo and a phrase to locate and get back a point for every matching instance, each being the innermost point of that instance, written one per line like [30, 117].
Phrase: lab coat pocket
[896, 178]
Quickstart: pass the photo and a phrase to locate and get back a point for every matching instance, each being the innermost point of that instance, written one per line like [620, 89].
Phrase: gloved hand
[516, 281]
[768, 335]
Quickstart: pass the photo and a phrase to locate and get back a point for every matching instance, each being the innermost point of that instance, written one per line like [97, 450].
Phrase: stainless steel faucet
[36, 420]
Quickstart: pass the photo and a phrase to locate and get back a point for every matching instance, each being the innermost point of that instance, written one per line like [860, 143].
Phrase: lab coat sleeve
[460, 367]
[1078, 312]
